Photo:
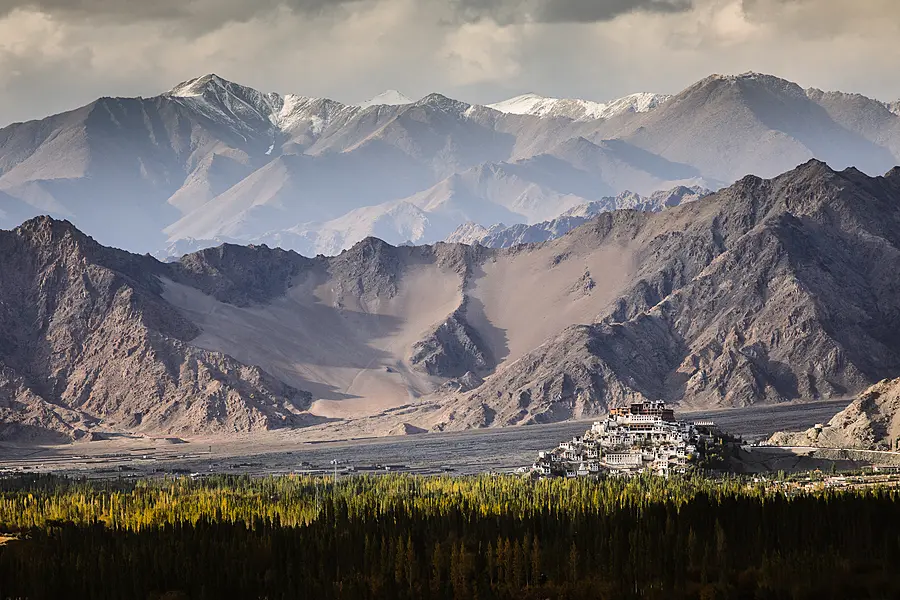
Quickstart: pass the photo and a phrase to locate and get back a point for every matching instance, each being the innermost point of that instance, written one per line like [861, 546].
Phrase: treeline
[415, 537]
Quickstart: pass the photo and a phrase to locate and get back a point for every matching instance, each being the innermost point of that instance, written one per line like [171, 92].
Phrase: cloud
[586, 11]
[187, 16]
[483, 51]
[193, 16]
[507, 12]
[139, 9]
[826, 18]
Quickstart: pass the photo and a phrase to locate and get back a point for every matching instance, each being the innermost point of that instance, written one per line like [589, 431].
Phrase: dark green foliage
[411, 537]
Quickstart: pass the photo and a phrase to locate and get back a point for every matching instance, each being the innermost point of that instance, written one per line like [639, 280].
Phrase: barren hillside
[870, 422]
[87, 344]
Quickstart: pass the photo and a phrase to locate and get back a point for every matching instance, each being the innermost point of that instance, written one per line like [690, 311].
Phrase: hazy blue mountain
[212, 159]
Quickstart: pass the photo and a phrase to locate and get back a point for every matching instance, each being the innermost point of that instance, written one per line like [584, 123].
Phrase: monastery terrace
[642, 437]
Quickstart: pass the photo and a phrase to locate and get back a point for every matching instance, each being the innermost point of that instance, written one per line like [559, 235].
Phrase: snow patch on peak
[443, 103]
[521, 105]
[894, 107]
[470, 233]
[316, 113]
[198, 86]
[241, 107]
[576, 108]
[387, 98]
[245, 108]
[640, 103]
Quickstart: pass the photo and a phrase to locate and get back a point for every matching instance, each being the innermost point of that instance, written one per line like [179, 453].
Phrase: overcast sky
[59, 54]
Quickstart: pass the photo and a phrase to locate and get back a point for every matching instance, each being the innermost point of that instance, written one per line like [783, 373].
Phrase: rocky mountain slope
[88, 344]
[775, 121]
[768, 291]
[501, 236]
[212, 160]
[870, 422]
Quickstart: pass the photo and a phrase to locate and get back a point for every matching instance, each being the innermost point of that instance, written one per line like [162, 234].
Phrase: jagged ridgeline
[767, 291]
[443, 538]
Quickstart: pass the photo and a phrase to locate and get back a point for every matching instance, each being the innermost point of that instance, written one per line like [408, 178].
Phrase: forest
[401, 536]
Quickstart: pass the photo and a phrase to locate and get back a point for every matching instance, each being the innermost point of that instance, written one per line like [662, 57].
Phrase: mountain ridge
[502, 236]
[576, 108]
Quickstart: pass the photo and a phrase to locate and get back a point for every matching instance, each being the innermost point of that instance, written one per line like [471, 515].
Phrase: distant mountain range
[503, 236]
[212, 161]
[578, 110]
[768, 291]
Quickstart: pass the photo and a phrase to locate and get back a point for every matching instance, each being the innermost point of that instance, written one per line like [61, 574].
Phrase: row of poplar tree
[444, 537]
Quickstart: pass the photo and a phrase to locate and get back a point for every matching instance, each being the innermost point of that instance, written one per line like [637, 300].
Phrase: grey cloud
[562, 11]
[812, 18]
[136, 8]
[191, 14]
[586, 11]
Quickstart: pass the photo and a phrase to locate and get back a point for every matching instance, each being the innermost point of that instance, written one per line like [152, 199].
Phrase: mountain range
[770, 290]
[577, 109]
[503, 236]
[212, 161]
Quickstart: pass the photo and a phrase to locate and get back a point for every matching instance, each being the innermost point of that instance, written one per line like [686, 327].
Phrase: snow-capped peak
[576, 108]
[236, 105]
[198, 86]
[894, 107]
[443, 103]
[522, 105]
[246, 108]
[387, 98]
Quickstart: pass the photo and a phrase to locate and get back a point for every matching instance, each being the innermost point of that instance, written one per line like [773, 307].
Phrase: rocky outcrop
[369, 271]
[565, 378]
[240, 275]
[452, 350]
[870, 422]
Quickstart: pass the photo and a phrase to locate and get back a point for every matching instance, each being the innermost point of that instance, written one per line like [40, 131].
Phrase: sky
[59, 54]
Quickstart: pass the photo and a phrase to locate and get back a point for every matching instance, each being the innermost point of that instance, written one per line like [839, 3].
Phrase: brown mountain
[768, 291]
[87, 343]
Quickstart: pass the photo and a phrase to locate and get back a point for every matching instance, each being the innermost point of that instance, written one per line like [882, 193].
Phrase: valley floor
[462, 452]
